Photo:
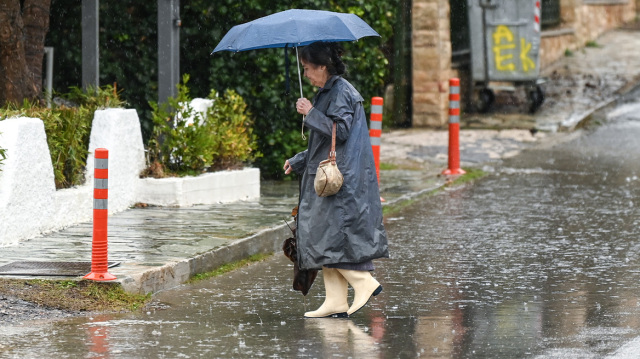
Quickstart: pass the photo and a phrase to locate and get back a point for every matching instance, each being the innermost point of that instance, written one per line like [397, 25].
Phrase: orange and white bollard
[99, 256]
[454, 129]
[375, 132]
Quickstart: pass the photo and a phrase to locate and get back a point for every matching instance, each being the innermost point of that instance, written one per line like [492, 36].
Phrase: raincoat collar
[329, 84]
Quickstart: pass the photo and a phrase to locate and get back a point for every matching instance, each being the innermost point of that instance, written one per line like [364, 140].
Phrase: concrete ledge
[209, 188]
[173, 274]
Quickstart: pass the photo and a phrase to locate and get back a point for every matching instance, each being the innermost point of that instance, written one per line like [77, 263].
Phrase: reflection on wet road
[541, 259]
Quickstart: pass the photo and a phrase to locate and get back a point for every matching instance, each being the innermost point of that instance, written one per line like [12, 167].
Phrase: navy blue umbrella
[294, 28]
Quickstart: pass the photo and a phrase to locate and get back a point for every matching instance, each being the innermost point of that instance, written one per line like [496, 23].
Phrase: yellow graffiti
[501, 51]
[527, 63]
[502, 32]
[504, 49]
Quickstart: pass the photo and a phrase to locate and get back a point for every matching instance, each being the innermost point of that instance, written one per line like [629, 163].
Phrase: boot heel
[377, 291]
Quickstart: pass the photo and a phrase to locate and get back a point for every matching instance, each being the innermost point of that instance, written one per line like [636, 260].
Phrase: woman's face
[317, 75]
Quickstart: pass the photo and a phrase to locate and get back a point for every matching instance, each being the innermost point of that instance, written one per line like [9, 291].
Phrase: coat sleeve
[340, 110]
[299, 162]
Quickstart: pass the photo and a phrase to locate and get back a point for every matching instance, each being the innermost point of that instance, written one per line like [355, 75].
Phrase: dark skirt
[364, 266]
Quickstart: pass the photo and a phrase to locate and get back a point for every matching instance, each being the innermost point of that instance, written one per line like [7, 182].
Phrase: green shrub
[3, 156]
[68, 127]
[592, 44]
[222, 138]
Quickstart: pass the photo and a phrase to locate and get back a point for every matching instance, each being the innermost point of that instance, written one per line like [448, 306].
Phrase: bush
[3, 156]
[187, 142]
[67, 125]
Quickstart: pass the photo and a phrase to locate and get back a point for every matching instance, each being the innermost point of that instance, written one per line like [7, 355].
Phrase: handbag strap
[332, 153]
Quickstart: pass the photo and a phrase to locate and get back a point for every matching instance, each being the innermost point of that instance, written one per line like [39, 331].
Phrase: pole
[169, 24]
[90, 44]
[454, 129]
[375, 131]
[99, 256]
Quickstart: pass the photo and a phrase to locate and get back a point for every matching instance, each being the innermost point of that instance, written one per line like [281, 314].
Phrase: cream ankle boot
[364, 286]
[335, 301]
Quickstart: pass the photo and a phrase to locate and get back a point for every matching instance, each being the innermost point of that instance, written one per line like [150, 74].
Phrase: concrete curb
[621, 95]
[176, 273]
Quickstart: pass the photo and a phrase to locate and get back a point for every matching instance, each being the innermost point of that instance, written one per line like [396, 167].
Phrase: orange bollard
[375, 131]
[99, 260]
[454, 129]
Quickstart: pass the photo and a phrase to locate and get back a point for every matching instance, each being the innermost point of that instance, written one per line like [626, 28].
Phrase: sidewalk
[159, 248]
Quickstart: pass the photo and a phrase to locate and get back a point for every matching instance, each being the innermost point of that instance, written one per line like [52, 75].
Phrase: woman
[343, 233]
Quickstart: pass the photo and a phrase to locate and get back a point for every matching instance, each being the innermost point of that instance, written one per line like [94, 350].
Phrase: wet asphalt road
[540, 259]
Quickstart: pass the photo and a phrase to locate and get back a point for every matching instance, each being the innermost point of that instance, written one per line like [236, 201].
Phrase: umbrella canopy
[293, 28]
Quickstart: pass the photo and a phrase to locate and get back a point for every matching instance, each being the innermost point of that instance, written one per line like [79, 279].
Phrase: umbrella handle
[301, 96]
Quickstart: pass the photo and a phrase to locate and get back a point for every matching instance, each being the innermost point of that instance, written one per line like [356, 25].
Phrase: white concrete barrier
[118, 130]
[30, 204]
[27, 183]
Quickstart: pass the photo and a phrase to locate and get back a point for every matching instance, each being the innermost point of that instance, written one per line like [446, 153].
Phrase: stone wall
[431, 55]
[554, 44]
[582, 22]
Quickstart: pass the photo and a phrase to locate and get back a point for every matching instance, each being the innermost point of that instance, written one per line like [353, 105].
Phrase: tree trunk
[36, 24]
[22, 49]
[13, 64]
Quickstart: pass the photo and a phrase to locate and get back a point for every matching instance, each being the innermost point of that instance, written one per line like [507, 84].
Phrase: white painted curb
[208, 188]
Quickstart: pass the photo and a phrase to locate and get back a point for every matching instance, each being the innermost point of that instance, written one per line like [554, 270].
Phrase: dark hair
[325, 54]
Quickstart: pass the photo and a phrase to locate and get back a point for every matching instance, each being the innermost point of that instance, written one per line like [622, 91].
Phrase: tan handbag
[328, 177]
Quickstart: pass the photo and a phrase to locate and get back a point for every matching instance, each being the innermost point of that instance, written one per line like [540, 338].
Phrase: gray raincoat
[346, 227]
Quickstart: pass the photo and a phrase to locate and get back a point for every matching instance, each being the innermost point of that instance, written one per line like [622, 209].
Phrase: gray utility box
[505, 47]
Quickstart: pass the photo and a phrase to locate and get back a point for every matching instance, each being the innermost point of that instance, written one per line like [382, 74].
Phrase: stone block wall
[596, 19]
[553, 45]
[431, 57]
[582, 22]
